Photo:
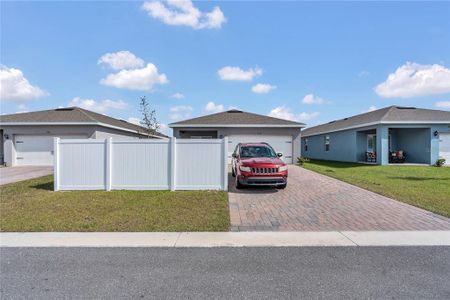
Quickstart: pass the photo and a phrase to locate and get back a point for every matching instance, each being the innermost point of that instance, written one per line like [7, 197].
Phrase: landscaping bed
[422, 186]
[32, 205]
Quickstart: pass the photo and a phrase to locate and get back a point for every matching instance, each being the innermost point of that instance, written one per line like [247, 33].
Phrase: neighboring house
[423, 134]
[244, 127]
[27, 138]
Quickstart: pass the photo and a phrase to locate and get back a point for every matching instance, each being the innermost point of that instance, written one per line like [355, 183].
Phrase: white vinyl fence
[150, 164]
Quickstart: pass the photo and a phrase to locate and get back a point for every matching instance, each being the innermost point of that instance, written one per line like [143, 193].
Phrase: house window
[327, 143]
[306, 145]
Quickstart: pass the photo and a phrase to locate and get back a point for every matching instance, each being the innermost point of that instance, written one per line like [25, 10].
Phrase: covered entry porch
[391, 145]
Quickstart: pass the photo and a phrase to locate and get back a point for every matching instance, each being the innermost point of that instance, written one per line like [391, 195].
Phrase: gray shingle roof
[71, 115]
[388, 114]
[236, 117]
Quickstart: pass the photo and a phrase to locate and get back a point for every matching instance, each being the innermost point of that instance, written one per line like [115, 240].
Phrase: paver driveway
[314, 202]
[14, 174]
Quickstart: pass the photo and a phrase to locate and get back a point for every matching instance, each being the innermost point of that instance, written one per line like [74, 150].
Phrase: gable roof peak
[235, 117]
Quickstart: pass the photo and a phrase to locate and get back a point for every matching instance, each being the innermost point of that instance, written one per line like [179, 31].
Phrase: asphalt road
[211, 273]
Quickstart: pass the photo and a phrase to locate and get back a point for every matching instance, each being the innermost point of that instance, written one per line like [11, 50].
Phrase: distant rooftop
[72, 115]
[236, 117]
[390, 114]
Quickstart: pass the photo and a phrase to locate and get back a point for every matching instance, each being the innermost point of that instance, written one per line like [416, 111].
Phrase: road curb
[225, 239]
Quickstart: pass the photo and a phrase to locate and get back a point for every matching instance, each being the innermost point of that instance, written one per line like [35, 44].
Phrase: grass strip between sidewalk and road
[426, 187]
[33, 206]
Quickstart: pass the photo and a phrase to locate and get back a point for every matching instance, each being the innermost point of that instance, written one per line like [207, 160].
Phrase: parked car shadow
[249, 190]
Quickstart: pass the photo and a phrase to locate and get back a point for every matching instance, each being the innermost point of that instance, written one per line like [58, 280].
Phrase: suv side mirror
[279, 154]
[233, 155]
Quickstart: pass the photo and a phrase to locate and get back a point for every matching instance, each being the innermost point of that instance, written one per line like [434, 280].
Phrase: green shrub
[440, 162]
[301, 160]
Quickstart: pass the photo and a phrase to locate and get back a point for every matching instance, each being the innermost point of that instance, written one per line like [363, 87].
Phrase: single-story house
[423, 135]
[27, 138]
[244, 127]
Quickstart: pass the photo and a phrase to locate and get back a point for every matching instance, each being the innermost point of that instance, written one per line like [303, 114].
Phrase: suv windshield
[257, 151]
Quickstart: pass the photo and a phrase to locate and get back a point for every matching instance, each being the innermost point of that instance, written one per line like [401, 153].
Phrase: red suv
[258, 164]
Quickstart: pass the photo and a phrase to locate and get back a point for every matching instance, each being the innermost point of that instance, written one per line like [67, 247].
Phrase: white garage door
[36, 150]
[281, 144]
[444, 147]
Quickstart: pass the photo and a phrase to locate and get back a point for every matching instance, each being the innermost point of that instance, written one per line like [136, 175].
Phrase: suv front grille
[264, 170]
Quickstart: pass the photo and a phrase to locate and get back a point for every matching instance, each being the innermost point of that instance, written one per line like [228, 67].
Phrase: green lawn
[32, 206]
[421, 186]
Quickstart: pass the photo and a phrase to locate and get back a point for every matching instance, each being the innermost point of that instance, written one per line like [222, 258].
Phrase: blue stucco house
[422, 134]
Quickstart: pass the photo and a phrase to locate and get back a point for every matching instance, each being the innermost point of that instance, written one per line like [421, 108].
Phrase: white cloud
[180, 112]
[184, 13]
[443, 104]
[98, 106]
[15, 87]
[236, 73]
[211, 107]
[282, 112]
[313, 99]
[121, 60]
[134, 120]
[371, 108]
[263, 88]
[137, 79]
[304, 116]
[413, 80]
[177, 96]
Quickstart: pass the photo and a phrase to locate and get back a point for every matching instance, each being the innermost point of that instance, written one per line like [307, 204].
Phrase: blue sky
[310, 62]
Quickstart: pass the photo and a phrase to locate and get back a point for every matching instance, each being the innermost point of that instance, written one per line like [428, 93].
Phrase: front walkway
[314, 202]
[14, 174]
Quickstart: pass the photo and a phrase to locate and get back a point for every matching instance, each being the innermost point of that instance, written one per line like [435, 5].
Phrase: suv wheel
[282, 187]
[238, 184]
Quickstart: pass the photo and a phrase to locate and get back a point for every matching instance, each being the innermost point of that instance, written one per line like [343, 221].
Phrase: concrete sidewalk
[225, 239]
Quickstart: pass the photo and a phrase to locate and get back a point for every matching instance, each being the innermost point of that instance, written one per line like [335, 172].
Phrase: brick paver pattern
[314, 202]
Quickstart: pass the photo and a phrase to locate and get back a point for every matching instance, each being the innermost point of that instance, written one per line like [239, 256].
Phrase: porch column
[382, 145]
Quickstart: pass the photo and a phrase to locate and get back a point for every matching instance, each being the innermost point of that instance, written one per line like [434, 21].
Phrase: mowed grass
[422, 186]
[32, 205]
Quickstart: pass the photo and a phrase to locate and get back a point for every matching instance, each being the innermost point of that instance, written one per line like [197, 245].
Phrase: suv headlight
[245, 169]
[282, 168]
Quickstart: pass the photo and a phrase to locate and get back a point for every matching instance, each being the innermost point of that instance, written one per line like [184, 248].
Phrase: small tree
[148, 117]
